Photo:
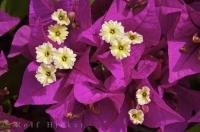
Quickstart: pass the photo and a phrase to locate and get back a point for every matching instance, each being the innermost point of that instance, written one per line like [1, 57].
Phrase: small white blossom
[57, 33]
[120, 48]
[143, 95]
[44, 53]
[64, 58]
[111, 30]
[61, 17]
[45, 74]
[134, 37]
[136, 116]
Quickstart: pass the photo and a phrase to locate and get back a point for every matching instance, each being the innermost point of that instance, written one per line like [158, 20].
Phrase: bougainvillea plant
[100, 65]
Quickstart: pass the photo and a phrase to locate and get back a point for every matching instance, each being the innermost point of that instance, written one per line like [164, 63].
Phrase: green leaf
[12, 80]
[195, 128]
[7, 106]
[18, 8]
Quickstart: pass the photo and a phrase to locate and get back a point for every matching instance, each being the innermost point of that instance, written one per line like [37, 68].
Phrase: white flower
[120, 48]
[57, 33]
[134, 37]
[64, 58]
[143, 95]
[111, 30]
[61, 17]
[136, 116]
[44, 53]
[45, 74]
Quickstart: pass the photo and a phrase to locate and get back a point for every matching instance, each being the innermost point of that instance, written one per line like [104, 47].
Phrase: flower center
[112, 31]
[144, 94]
[131, 37]
[47, 53]
[48, 73]
[121, 47]
[134, 116]
[60, 17]
[64, 58]
[58, 33]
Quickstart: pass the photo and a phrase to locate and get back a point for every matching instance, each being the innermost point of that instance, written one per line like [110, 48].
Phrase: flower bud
[71, 15]
[145, 108]
[183, 49]
[196, 38]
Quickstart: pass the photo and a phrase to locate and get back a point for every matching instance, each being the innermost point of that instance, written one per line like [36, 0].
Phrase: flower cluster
[58, 32]
[120, 42]
[108, 64]
[143, 98]
[51, 58]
